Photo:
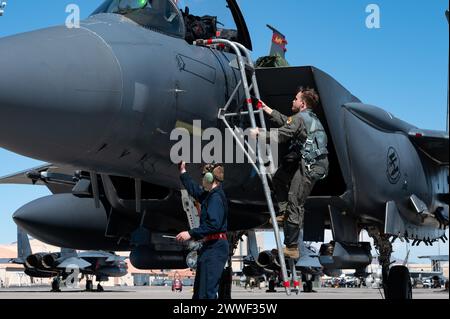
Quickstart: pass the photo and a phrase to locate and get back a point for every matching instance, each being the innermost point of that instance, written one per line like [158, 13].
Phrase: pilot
[212, 230]
[305, 163]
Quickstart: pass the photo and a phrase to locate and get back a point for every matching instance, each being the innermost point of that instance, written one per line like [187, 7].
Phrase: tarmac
[237, 293]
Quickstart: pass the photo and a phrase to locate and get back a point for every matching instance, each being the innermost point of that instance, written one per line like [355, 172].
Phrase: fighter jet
[99, 102]
[67, 262]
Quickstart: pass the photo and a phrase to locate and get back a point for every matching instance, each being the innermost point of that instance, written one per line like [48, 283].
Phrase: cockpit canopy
[159, 15]
[199, 21]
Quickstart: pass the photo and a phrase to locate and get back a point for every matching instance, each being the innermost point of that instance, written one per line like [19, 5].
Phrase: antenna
[405, 262]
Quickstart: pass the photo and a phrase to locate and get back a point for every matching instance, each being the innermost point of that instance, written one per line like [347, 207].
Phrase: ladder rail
[258, 96]
[238, 141]
[236, 47]
[230, 100]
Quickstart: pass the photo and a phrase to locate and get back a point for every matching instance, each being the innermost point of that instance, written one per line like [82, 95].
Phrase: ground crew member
[305, 163]
[212, 230]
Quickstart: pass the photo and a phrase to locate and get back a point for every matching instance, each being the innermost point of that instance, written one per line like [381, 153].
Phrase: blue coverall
[214, 253]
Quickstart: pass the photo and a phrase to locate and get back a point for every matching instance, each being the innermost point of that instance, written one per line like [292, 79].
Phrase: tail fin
[278, 50]
[23, 245]
[278, 43]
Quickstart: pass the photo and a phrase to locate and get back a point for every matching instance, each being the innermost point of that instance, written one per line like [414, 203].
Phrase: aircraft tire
[399, 283]
[226, 283]
[271, 286]
[89, 285]
[55, 285]
[307, 284]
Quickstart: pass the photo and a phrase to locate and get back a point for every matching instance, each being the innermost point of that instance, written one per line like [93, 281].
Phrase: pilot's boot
[291, 233]
[291, 252]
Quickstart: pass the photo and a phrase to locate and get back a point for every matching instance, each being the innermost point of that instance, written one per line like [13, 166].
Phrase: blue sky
[401, 67]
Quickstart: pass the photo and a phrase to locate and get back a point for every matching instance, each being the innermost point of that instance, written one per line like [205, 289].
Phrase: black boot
[291, 233]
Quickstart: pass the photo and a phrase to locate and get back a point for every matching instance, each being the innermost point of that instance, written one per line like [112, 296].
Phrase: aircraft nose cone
[58, 87]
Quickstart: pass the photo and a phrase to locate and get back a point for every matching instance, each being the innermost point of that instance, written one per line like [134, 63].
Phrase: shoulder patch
[289, 120]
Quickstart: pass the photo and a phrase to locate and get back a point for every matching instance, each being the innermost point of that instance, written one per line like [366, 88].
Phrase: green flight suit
[293, 181]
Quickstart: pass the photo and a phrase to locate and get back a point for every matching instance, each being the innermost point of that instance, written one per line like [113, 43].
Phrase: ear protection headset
[209, 173]
[209, 177]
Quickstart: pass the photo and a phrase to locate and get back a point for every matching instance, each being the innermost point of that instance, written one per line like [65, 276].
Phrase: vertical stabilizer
[279, 43]
[23, 245]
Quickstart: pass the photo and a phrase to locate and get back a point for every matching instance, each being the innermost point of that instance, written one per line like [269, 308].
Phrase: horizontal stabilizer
[74, 262]
[309, 262]
[115, 259]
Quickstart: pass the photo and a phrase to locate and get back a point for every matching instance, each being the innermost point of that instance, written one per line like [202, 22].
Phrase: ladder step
[244, 64]
[241, 113]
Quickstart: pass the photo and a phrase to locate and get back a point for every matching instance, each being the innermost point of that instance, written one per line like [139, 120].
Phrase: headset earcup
[209, 177]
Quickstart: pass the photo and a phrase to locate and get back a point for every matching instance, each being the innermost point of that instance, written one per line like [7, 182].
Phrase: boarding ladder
[244, 64]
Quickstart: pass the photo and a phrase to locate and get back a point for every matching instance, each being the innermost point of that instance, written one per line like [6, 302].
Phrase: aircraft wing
[424, 274]
[433, 143]
[436, 258]
[11, 261]
[6, 260]
[58, 179]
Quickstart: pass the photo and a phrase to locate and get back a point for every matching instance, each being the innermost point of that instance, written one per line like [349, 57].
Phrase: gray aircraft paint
[109, 106]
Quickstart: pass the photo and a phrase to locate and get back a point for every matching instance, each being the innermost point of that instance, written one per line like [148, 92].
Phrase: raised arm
[276, 117]
[193, 188]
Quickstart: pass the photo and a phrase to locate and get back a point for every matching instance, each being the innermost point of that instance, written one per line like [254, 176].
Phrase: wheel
[271, 286]
[225, 283]
[398, 284]
[55, 285]
[307, 284]
[89, 285]
[100, 288]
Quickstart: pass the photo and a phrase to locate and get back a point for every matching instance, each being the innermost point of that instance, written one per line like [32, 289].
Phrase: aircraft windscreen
[158, 15]
[188, 19]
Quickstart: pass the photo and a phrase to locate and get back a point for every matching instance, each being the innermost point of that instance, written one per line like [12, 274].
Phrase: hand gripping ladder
[244, 64]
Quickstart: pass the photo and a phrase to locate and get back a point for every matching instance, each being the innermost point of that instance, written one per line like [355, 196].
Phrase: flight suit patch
[289, 120]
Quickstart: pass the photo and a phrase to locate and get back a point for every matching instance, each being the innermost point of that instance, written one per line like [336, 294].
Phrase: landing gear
[100, 288]
[225, 283]
[227, 274]
[89, 285]
[56, 285]
[307, 284]
[273, 279]
[398, 285]
[396, 280]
